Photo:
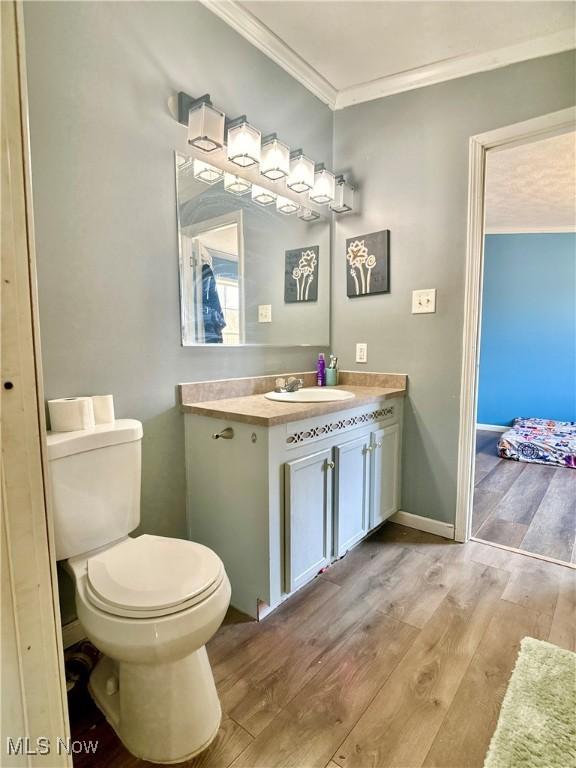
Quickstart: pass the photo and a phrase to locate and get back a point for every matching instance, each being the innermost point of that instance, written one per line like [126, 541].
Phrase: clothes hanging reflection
[212, 315]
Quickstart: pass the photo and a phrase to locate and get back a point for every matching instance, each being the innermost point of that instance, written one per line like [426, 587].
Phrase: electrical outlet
[361, 353]
[264, 313]
[424, 301]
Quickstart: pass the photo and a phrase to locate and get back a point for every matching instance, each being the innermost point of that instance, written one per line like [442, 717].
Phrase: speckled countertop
[257, 409]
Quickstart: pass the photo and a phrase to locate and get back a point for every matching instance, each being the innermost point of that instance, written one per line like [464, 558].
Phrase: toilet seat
[151, 576]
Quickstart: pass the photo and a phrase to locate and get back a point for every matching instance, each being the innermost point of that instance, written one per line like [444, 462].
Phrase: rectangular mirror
[249, 274]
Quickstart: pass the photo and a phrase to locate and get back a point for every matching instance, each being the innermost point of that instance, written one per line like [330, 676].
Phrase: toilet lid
[153, 573]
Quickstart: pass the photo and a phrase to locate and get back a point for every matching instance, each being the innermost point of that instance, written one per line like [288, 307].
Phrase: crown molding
[261, 37]
[529, 230]
[276, 49]
[459, 66]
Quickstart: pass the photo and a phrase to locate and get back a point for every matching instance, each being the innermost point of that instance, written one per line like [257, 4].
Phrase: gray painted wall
[99, 77]
[410, 155]
[104, 197]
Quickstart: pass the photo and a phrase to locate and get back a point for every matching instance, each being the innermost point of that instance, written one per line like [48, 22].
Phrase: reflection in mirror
[249, 274]
[211, 270]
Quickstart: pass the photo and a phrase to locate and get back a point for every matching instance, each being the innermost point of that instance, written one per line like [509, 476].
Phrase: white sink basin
[311, 395]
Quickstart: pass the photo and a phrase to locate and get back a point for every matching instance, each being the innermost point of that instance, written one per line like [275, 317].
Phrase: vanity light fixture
[206, 172]
[306, 214]
[262, 196]
[236, 184]
[275, 158]
[243, 142]
[205, 125]
[343, 196]
[285, 205]
[301, 176]
[324, 184]
[209, 130]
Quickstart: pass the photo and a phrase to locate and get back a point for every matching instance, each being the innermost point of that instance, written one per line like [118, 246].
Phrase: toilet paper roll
[69, 414]
[103, 409]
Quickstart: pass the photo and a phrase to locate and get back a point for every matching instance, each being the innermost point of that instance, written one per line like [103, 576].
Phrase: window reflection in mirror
[236, 256]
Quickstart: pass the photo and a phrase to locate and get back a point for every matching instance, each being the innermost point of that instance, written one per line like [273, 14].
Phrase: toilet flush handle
[226, 434]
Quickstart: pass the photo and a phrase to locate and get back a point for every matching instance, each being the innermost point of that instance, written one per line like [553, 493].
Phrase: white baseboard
[438, 528]
[72, 633]
[492, 428]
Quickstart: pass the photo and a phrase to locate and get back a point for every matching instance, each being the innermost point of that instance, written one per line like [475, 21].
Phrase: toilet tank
[95, 484]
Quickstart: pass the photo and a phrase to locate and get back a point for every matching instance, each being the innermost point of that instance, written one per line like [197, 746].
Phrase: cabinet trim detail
[333, 427]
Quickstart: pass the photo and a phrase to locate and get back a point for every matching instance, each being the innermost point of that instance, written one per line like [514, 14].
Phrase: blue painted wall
[528, 341]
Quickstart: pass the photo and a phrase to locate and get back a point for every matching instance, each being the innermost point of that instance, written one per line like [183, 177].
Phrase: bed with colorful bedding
[540, 441]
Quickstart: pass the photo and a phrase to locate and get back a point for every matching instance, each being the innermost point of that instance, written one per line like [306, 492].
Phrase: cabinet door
[308, 517]
[351, 496]
[384, 474]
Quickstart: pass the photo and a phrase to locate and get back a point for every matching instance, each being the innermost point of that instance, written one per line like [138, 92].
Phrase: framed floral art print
[301, 274]
[368, 264]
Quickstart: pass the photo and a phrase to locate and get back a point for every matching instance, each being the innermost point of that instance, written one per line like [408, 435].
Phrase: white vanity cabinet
[279, 503]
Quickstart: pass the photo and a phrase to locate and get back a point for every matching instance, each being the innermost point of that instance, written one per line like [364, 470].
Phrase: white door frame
[493, 141]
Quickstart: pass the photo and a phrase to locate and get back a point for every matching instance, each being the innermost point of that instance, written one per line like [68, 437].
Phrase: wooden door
[33, 682]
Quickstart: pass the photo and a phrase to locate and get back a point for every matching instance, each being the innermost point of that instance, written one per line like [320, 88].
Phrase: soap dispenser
[321, 370]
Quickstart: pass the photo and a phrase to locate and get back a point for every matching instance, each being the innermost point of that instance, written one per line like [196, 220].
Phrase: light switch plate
[361, 353]
[424, 301]
[264, 313]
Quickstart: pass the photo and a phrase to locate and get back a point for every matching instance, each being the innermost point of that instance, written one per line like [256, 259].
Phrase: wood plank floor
[398, 655]
[526, 506]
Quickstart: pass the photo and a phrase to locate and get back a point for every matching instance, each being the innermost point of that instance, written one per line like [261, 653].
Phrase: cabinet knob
[369, 448]
[330, 465]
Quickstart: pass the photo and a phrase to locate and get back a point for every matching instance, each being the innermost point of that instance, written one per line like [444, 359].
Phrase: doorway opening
[517, 473]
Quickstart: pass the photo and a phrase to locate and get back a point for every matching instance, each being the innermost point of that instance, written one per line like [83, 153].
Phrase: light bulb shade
[274, 158]
[205, 126]
[206, 172]
[262, 196]
[308, 215]
[301, 176]
[285, 205]
[236, 184]
[343, 197]
[243, 143]
[324, 186]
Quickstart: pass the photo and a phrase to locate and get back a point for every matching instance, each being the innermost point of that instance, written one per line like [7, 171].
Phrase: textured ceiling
[354, 42]
[533, 186]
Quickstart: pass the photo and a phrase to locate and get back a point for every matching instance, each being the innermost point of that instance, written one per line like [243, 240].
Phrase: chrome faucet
[292, 385]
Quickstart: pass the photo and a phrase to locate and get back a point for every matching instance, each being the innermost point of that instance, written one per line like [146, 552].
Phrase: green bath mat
[537, 723]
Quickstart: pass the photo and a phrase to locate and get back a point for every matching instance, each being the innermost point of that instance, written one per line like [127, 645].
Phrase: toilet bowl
[148, 603]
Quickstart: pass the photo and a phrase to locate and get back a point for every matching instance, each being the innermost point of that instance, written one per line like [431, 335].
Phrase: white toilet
[148, 603]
